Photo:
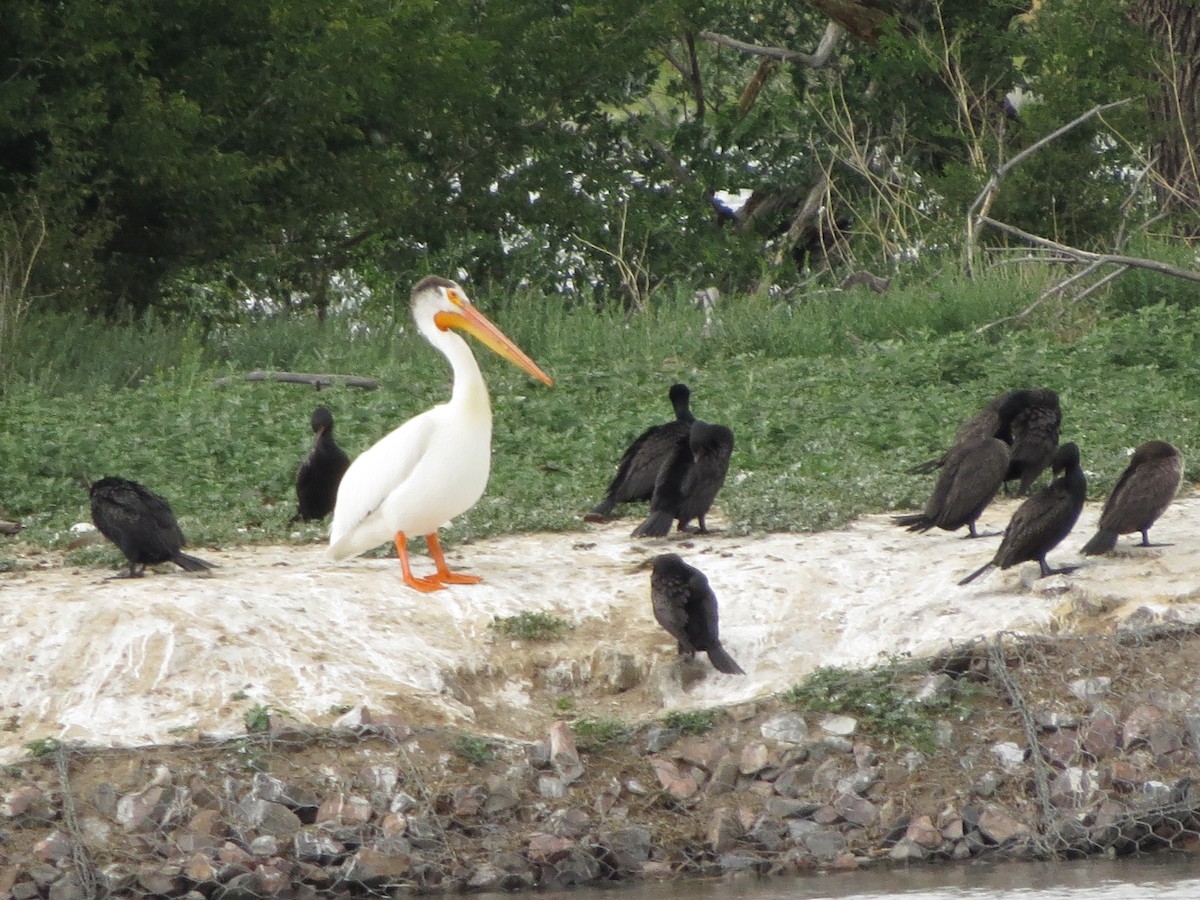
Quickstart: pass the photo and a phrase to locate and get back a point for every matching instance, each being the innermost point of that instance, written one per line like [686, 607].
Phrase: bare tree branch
[829, 41]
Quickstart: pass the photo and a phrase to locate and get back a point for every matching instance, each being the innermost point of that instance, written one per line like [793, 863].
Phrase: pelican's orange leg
[424, 585]
[443, 574]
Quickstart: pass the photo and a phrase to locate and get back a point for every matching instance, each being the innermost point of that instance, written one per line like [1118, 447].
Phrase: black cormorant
[1034, 437]
[647, 454]
[1042, 521]
[686, 607]
[1142, 494]
[970, 477]
[321, 472]
[141, 524]
[689, 482]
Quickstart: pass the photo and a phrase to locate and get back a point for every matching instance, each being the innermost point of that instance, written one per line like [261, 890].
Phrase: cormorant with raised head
[321, 472]
[141, 524]
[1041, 522]
[687, 485]
[970, 477]
[1142, 494]
[685, 605]
[650, 450]
[1034, 437]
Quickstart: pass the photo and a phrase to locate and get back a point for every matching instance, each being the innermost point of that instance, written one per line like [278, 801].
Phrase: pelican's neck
[469, 387]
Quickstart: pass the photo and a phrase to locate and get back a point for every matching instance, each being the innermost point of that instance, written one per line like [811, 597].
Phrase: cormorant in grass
[1142, 494]
[321, 472]
[9, 527]
[686, 607]
[1042, 521]
[687, 485]
[1034, 437]
[1027, 420]
[642, 460]
[971, 475]
[141, 524]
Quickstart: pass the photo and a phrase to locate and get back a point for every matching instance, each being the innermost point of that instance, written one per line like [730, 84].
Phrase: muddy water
[151, 660]
[1168, 878]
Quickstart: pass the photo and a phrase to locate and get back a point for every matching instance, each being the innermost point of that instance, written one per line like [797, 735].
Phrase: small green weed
[239, 695]
[7, 565]
[564, 704]
[340, 709]
[873, 697]
[530, 626]
[257, 719]
[475, 750]
[593, 734]
[692, 722]
[251, 754]
[43, 747]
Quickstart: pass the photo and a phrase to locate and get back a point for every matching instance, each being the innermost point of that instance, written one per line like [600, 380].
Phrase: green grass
[692, 722]
[530, 626]
[596, 734]
[831, 397]
[475, 750]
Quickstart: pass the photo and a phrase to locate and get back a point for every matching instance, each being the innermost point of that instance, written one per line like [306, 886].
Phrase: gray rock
[265, 787]
[856, 809]
[551, 787]
[578, 867]
[268, 817]
[724, 830]
[842, 726]
[402, 803]
[314, 844]
[768, 833]
[825, 844]
[733, 863]
[787, 727]
[1090, 690]
[659, 739]
[788, 808]
[627, 848]
[932, 687]
[799, 829]
[1009, 755]
[724, 776]
[906, 850]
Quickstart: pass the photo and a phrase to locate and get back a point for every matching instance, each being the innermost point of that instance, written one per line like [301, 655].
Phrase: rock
[20, 800]
[53, 848]
[160, 880]
[1137, 725]
[144, 808]
[856, 809]
[679, 784]
[723, 831]
[617, 670]
[340, 809]
[906, 850]
[265, 787]
[551, 787]
[1090, 690]
[825, 844]
[627, 849]
[932, 687]
[732, 863]
[402, 803]
[697, 752]
[67, 888]
[754, 758]
[1010, 756]
[313, 844]
[787, 727]
[768, 833]
[467, 802]
[548, 848]
[827, 775]
[570, 823]
[842, 726]
[922, 832]
[794, 780]
[268, 817]
[724, 777]
[579, 867]
[1060, 747]
[485, 877]
[659, 739]
[789, 808]
[372, 868]
[563, 755]
[998, 826]
[503, 794]
[1165, 738]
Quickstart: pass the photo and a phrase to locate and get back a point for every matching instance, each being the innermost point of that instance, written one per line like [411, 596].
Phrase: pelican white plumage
[435, 466]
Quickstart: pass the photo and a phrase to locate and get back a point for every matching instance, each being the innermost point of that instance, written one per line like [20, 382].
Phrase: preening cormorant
[1034, 437]
[319, 475]
[141, 524]
[435, 466]
[971, 475]
[9, 527]
[689, 482]
[1027, 420]
[1142, 494]
[650, 450]
[686, 607]
[1043, 520]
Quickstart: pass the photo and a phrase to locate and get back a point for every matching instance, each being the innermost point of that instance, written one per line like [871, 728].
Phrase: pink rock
[697, 752]
[998, 826]
[680, 785]
[546, 848]
[20, 800]
[53, 847]
[921, 831]
[1100, 736]
[563, 755]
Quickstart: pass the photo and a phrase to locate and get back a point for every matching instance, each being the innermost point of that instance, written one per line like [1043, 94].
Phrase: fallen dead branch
[317, 381]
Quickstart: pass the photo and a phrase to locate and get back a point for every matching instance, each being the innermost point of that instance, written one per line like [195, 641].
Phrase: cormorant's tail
[977, 572]
[914, 521]
[723, 662]
[928, 466]
[657, 524]
[191, 563]
[1103, 541]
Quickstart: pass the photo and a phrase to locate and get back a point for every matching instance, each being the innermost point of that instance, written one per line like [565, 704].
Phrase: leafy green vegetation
[475, 750]
[594, 734]
[830, 400]
[257, 719]
[530, 626]
[43, 747]
[692, 722]
[882, 706]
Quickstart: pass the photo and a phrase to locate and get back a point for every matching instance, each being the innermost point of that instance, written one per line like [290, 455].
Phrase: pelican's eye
[454, 297]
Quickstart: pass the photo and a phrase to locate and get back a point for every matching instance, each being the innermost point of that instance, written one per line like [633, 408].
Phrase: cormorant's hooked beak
[469, 319]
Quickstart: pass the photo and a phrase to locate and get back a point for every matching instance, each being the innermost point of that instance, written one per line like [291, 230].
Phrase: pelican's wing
[378, 471]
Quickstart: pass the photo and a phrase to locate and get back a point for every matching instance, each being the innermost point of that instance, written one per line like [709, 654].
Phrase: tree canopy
[180, 152]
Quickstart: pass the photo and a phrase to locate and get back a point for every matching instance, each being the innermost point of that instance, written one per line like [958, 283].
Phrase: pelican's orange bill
[472, 321]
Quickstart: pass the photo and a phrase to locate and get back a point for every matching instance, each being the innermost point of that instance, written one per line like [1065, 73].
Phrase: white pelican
[434, 466]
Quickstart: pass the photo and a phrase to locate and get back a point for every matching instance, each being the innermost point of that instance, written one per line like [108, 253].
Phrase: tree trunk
[1175, 27]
